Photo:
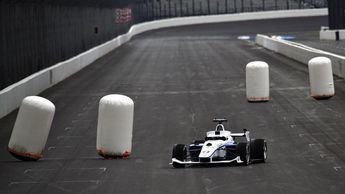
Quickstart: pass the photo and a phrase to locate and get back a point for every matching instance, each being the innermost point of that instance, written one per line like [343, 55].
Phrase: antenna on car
[220, 121]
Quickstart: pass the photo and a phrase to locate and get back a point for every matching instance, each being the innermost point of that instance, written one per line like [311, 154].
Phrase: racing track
[180, 78]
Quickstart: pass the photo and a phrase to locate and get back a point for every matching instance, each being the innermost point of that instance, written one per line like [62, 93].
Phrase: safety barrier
[31, 129]
[11, 97]
[301, 53]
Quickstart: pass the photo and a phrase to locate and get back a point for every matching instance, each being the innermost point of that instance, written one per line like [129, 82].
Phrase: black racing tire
[258, 150]
[180, 153]
[243, 150]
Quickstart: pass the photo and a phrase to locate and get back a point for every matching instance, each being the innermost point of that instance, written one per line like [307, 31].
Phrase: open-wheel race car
[220, 146]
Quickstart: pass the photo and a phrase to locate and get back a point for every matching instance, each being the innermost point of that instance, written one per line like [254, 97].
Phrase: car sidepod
[231, 151]
[194, 151]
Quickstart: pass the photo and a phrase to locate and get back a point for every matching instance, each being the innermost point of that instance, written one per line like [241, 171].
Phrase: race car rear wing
[220, 121]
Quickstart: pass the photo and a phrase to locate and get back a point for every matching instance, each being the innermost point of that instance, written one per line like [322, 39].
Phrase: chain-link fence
[36, 34]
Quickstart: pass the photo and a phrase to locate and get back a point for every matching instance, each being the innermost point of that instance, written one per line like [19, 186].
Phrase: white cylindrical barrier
[321, 78]
[257, 81]
[115, 126]
[31, 129]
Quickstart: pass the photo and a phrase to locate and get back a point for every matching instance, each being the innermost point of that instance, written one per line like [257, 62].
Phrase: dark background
[336, 14]
[36, 34]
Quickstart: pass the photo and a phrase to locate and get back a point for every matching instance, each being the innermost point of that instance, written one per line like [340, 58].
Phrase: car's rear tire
[179, 153]
[243, 150]
[258, 150]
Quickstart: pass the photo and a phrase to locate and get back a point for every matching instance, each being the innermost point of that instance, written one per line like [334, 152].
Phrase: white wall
[327, 35]
[331, 34]
[11, 97]
[301, 53]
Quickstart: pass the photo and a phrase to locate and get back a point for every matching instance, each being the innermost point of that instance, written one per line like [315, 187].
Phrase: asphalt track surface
[180, 78]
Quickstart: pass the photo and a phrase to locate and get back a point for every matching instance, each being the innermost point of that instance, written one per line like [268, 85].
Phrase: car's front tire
[259, 150]
[243, 150]
[179, 153]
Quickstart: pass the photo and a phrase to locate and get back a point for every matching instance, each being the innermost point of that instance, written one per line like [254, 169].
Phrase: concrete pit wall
[301, 53]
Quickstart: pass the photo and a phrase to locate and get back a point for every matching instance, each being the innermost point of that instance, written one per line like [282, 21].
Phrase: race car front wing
[237, 159]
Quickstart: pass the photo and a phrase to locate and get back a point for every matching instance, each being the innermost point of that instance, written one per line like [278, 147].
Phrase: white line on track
[53, 159]
[103, 169]
[80, 158]
[40, 170]
[14, 183]
[54, 147]
[25, 182]
[68, 128]
[209, 91]
[80, 181]
[338, 168]
[63, 136]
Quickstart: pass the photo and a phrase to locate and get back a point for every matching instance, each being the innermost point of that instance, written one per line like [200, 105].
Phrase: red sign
[123, 15]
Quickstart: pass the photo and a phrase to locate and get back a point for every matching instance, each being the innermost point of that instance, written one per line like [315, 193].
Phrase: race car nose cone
[31, 129]
[321, 78]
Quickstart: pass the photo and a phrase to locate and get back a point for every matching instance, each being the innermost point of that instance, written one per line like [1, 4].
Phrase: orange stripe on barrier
[23, 155]
[322, 96]
[126, 154]
[108, 155]
[253, 99]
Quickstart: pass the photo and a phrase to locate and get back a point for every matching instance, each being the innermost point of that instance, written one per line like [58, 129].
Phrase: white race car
[220, 146]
